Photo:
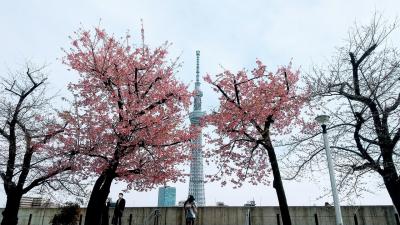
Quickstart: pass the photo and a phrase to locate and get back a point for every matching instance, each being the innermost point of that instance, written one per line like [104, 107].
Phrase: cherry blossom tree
[128, 122]
[254, 107]
[30, 154]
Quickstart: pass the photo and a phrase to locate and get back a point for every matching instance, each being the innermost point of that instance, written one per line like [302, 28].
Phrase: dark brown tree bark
[101, 189]
[392, 181]
[99, 195]
[393, 187]
[10, 213]
[278, 185]
[102, 186]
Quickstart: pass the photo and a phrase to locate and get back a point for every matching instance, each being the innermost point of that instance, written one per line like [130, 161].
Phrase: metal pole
[30, 219]
[338, 213]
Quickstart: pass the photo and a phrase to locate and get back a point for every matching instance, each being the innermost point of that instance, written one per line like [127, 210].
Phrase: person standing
[104, 214]
[190, 210]
[119, 210]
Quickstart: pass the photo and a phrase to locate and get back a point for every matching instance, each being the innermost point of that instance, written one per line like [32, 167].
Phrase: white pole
[339, 220]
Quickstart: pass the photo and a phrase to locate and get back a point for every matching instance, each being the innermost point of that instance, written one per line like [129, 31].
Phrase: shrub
[68, 215]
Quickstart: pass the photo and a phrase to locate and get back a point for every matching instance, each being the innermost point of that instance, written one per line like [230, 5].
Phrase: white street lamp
[323, 120]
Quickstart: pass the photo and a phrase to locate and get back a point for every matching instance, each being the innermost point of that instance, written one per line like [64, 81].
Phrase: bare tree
[30, 156]
[361, 90]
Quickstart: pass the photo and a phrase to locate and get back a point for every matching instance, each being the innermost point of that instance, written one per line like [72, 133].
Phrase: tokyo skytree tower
[196, 184]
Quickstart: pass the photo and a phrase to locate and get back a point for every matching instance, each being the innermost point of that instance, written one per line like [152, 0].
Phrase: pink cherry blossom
[129, 110]
[253, 107]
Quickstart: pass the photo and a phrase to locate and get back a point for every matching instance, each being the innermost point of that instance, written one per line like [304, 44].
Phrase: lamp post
[322, 120]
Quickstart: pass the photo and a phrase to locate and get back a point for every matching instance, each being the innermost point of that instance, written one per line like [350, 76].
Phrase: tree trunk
[392, 183]
[98, 198]
[10, 213]
[277, 184]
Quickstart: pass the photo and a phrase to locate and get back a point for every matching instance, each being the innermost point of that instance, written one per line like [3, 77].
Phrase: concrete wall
[365, 215]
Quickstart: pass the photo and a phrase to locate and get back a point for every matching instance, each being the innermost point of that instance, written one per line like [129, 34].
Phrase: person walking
[118, 210]
[190, 210]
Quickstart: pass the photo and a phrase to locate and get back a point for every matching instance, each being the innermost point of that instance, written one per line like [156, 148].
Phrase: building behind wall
[36, 202]
[166, 196]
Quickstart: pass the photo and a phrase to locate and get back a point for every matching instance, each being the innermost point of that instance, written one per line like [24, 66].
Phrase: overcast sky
[231, 34]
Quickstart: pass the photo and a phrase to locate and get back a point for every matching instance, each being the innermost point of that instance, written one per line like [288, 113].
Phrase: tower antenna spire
[197, 68]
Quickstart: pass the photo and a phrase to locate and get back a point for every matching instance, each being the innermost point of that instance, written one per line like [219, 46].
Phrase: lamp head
[322, 119]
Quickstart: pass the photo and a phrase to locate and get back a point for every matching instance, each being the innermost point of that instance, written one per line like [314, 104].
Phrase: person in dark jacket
[190, 210]
[119, 210]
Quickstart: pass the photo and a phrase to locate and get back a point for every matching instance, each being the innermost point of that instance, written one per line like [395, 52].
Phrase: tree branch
[136, 83]
[366, 54]
[225, 95]
[250, 158]
[396, 138]
[154, 104]
[150, 87]
[42, 179]
[360, 120]
[236, 91]
[287, 83]
[304, 163]
[4, 134]
[394, 106]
